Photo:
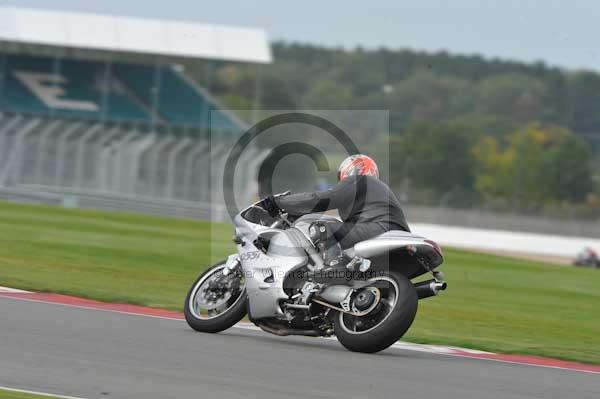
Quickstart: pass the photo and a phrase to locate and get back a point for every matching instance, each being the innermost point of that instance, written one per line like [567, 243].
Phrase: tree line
[464, 129]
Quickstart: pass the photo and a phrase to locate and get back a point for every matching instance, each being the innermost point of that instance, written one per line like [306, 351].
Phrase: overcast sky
[564, 33]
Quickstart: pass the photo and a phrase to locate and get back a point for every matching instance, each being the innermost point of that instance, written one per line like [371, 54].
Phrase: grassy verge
[493, 303]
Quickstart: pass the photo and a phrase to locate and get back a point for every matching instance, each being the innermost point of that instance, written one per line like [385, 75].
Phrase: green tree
[516, 95]
[583, 109]
[535, 165]
[429, 97]
[565, 170]
[326, 94]
[436, 158]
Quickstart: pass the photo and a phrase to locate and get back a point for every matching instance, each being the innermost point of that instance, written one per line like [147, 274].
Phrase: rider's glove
[271, 206]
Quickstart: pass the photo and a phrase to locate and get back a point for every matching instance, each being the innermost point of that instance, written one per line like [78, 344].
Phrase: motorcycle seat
[398, 234]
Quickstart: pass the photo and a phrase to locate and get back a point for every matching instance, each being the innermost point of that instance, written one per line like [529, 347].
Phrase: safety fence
[97, 159]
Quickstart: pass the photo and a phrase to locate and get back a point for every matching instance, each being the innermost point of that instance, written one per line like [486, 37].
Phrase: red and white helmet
[357, 165]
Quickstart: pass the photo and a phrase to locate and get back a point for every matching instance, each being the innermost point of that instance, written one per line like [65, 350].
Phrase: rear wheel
[216, 302]
[386, 323]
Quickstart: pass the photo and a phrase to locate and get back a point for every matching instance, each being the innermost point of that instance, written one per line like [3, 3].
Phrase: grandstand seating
[65, 126]
[78, 88]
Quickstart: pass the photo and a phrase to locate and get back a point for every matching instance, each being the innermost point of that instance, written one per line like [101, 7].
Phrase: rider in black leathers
[365, 204]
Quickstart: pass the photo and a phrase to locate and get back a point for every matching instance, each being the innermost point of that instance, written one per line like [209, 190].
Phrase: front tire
[387, 323]
[224, 304]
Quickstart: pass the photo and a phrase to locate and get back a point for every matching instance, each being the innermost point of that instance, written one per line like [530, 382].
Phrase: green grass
[4, 394]
[492, 303]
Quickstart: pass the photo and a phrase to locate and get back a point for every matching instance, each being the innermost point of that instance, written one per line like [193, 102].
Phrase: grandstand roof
[130, 34]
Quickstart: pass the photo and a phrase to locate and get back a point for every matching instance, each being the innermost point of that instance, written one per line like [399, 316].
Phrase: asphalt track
[96, 354]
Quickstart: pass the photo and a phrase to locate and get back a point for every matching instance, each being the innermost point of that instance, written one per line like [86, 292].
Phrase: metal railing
[122, 162]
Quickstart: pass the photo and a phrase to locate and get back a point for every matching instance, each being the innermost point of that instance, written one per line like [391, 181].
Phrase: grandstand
[77, 121]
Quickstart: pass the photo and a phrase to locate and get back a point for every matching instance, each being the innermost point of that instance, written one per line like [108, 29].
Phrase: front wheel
[216, 302]
[387, 322]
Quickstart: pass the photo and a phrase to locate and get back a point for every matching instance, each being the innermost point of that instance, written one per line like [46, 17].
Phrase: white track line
[525, 364]
[12, 290]
[50, 395]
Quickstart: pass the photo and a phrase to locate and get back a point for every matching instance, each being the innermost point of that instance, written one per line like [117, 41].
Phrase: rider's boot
[338, 262]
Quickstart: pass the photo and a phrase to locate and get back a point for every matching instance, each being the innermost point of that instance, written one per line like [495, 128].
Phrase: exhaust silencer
[428, 288]
[335, 294]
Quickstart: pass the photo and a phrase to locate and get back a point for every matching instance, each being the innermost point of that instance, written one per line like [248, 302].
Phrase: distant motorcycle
[280, 280]
[587, 258]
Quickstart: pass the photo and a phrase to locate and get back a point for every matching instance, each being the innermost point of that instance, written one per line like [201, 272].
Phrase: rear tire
[219, 322]
[390, 329]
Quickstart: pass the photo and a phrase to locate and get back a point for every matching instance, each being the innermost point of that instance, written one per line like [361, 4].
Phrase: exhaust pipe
[335, 294]
[282, 331]
[428, 288]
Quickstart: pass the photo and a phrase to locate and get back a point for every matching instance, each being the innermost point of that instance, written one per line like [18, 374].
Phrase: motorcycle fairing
[408, 253]
[264, 272]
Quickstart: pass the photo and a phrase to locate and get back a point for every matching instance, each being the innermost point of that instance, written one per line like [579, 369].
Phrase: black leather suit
[366, 205]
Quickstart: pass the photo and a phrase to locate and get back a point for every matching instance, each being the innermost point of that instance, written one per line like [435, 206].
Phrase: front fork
[233, 262]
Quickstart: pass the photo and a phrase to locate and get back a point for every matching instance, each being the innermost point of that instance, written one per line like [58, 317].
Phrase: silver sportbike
[281, 280]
